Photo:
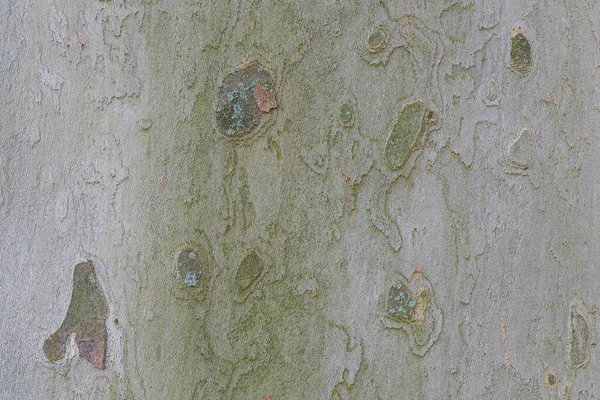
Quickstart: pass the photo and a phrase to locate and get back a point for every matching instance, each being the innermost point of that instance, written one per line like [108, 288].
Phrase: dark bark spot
[520, 54]
[243, 97]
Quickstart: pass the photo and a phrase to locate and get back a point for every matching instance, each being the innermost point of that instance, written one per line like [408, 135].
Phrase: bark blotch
[244, 96]
[410, 306]
[85, 319]
[378, 39]
[405, 134]
[583, 335]
[347, 113]
[550, 379]
[521, 151]
[520, 52]
[190, 266]
[249, 270]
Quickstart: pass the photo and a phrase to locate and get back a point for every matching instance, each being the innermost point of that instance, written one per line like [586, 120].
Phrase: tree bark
[299, 200]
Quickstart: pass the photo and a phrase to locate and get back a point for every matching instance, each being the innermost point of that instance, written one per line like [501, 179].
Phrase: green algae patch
[85, 319]
[194, 266]
[400, 302]
[405, 134]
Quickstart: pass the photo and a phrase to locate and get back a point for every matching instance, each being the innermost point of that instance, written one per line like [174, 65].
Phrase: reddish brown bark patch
[265, 98]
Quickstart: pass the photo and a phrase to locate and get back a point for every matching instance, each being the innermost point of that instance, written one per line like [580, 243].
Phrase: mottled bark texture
[276, 199]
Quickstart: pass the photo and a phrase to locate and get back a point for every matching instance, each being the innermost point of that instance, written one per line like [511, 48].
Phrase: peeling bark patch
[583, 335]
[347, 112]
[410, 306]
[190, 266]
[86, 319]
[520, 53]
[378, 44]
[248, 272]
[521, 151]
[244, 96]
[405, 134]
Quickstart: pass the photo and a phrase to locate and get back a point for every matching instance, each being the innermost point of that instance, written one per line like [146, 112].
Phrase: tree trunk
[299, 200]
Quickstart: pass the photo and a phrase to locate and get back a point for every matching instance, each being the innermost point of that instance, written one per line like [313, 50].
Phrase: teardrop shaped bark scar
[85, 319]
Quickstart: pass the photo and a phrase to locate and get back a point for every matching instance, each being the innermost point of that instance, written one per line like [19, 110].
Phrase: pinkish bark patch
[265, 98]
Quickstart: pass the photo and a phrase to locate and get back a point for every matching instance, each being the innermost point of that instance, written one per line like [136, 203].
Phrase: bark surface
[279, 199]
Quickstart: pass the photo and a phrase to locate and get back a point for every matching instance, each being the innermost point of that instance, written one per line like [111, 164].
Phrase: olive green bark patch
[520, 54]
[250, 269]
[405, 134]
[378, 39]
[86, 319]
[347, 113]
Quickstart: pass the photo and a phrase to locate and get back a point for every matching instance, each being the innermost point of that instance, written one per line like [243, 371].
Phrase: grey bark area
[277, 199]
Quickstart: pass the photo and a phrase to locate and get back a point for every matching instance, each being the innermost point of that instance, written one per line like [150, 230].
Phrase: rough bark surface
[406, 210]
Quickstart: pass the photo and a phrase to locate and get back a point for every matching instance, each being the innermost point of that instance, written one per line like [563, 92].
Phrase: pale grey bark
[442, 150]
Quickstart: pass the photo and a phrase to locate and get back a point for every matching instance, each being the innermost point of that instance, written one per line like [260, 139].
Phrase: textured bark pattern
[260, 264]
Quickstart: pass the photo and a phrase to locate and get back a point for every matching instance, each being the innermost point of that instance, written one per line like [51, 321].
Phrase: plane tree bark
[299, 200]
